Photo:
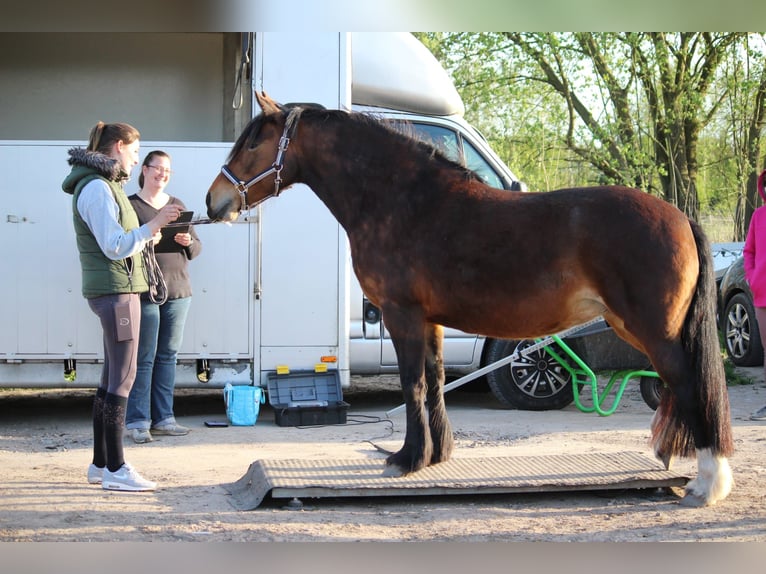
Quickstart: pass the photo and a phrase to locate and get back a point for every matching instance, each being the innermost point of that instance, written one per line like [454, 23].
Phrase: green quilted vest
[101, 275]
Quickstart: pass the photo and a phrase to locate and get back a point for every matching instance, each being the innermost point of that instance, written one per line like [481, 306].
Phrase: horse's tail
[672, 434]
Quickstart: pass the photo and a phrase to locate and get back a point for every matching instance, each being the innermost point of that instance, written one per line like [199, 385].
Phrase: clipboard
[167, 244]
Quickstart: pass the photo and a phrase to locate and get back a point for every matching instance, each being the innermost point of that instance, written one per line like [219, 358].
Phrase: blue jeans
[151, 398]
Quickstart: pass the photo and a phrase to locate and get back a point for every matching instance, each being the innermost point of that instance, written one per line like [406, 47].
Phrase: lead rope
[158, 289]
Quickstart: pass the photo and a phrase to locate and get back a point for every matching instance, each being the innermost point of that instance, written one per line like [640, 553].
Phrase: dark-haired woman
[150, 405]
[110, 241]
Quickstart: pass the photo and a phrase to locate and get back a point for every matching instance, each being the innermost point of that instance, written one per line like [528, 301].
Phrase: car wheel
[534, 382]
[741, 334]
[652, 389]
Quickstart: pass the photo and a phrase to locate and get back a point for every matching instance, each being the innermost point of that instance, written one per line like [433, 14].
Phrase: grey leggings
[120, 357]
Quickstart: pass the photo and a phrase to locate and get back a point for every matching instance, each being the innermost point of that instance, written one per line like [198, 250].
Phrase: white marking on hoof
[713, 483]
[692, 501]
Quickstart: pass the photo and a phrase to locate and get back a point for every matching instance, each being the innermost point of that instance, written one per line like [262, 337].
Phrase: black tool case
[307, 398]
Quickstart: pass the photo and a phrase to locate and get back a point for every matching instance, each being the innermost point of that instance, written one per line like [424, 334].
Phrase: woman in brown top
[150, 405]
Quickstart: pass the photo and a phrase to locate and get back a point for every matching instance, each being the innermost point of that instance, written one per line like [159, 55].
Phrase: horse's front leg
[438, 422]
[407, 335]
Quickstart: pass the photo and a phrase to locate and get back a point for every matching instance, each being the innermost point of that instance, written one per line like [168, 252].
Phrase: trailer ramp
[300, 478]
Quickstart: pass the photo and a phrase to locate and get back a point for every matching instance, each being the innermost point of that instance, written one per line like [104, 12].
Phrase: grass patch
[734, 377]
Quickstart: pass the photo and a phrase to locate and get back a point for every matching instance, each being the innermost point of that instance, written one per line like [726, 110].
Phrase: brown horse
[432, 245]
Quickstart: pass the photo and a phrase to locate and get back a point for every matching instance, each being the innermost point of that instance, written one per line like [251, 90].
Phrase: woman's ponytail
[104, 136]
[95, 136]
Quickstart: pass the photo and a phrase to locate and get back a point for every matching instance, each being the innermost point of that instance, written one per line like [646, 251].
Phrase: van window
[446, 141]
[476, 162]
[458, 149]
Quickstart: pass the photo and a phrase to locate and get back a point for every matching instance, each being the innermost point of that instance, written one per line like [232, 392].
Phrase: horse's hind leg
[407, 334]
[441, 430]
[688, 421]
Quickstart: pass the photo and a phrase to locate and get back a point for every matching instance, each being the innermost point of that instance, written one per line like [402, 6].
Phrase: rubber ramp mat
[299, 478]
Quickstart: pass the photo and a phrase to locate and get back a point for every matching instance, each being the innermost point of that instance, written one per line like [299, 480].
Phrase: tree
[522, 121]
[747, 117]
[666, 76]
[665, 112]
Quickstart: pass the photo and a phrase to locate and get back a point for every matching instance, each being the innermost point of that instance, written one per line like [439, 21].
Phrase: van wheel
[535, 382]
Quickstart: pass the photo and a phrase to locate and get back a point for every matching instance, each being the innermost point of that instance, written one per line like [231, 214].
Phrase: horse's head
[254, 169]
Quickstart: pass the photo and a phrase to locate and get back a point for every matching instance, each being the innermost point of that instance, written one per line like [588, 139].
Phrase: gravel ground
[45, 447]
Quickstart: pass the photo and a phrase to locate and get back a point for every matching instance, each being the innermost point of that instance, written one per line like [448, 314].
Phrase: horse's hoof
[392, 470]
[693, 500]
[667, 459]
[402, 463]
[442, 455]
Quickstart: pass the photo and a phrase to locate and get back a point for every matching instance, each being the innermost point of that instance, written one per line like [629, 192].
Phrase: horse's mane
[400, 131]
[250, 132]
[247, 137]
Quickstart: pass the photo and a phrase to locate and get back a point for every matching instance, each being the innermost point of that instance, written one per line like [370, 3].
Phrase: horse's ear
[268, 105]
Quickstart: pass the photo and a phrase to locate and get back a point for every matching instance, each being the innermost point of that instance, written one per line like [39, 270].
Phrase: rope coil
[158, 289]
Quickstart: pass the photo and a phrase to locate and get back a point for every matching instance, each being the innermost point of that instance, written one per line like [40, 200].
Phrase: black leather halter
[276, 168]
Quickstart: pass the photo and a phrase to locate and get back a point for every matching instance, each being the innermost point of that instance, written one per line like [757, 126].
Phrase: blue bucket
[242, 404]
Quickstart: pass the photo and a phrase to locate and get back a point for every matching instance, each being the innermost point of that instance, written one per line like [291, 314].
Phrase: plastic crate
[307, 398]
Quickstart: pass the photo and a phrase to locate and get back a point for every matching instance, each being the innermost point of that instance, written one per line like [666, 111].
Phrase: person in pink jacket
[755, 271]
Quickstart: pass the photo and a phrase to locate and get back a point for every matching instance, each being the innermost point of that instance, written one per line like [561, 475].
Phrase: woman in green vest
[110, 241]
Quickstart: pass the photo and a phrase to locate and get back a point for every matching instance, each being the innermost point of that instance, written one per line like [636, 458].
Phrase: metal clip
[277, 179]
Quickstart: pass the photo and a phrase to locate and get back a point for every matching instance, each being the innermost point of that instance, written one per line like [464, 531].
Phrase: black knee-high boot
[99, 442]
[114, 421]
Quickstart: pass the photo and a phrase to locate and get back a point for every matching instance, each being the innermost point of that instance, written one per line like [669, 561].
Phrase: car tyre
[536, 382]
[740, 332]
[652, 389]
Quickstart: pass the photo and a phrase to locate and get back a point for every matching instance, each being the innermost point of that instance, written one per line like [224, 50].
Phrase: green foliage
[665, 112]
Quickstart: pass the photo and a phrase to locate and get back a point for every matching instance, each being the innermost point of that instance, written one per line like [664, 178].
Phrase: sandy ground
[45, 448]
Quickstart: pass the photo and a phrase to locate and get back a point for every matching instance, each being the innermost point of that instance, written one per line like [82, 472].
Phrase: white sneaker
[126, 478]
[95, 474]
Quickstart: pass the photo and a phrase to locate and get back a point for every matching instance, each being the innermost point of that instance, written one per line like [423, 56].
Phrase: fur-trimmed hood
[85, 162]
